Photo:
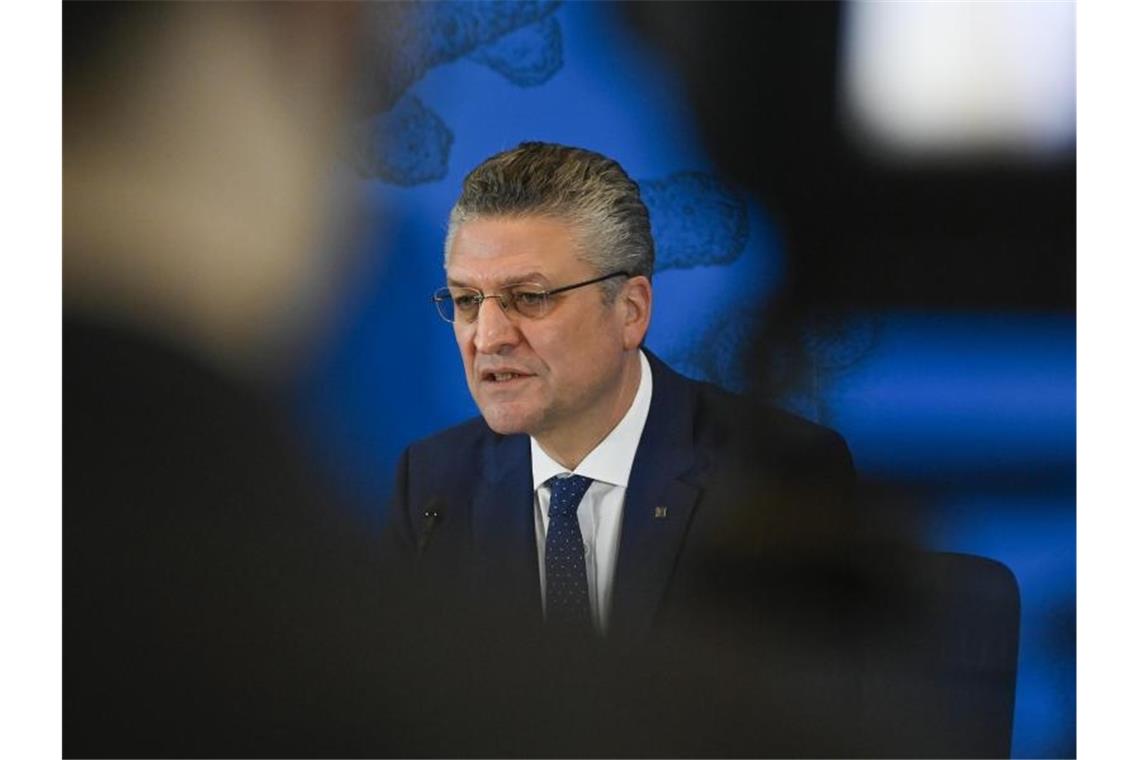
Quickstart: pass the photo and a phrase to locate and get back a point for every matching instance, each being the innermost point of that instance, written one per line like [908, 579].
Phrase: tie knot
[566, 494]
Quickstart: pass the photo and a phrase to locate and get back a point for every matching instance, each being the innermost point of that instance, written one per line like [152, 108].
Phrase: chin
[505, 422]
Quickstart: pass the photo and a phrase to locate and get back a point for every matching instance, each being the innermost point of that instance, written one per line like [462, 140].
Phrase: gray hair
[588, 190]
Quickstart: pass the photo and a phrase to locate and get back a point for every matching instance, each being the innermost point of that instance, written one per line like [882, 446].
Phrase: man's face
[554, 374]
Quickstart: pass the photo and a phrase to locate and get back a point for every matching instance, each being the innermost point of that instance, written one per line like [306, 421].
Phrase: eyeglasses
[528, 299]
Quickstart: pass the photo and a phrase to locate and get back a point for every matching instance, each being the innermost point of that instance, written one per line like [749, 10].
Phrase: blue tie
[567, 593]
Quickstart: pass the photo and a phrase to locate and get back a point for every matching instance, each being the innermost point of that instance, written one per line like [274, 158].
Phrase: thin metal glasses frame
[506, 300]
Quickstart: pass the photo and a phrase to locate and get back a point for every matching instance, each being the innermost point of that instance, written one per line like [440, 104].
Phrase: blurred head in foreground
[198, 170]
[218, 602]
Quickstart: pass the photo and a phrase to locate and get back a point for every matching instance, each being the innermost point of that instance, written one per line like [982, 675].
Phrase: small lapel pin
[659, 513]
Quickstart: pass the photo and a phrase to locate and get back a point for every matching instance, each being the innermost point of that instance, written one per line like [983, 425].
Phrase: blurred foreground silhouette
[215, 601]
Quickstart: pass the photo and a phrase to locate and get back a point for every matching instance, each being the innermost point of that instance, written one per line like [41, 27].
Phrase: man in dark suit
[598, 489]
[579, 564]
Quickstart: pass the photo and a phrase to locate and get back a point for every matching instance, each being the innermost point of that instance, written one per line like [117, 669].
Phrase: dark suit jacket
[738, 483]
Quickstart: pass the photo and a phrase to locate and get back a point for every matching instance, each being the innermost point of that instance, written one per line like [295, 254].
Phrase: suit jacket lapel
[503, 530]
[664, 488]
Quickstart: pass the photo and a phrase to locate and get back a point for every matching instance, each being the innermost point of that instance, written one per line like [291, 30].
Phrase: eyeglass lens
[529, 300]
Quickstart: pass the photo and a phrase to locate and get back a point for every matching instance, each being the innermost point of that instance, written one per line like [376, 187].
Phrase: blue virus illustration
[719, 353]
[798, 372]
[407, 145]
[521, 41]
[527, 57]
[696, 219]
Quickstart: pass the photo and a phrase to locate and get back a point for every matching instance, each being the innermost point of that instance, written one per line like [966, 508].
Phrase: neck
[570, 447]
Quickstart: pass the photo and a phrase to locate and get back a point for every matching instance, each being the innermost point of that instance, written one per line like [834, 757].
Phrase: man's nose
[493, 327]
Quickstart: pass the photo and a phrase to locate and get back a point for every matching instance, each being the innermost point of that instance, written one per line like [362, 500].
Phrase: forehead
[494, 250]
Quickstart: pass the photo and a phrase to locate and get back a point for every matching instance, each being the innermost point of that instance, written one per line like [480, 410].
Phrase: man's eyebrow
[530, 277]
[536, 278]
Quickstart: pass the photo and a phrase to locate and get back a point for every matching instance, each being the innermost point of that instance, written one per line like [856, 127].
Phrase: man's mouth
[502, 377]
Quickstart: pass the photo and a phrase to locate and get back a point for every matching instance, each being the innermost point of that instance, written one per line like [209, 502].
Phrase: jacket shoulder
[439, 468]
[451, 457]
[764, 432]
[472, 432]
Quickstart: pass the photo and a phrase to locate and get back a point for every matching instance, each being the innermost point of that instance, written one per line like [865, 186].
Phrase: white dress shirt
[599, 514]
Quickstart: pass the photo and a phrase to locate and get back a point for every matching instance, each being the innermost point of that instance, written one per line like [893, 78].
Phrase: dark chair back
[940, 673]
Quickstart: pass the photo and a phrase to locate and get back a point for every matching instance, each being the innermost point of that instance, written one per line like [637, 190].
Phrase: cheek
[466, 347]
[581, 356]
[547, 351]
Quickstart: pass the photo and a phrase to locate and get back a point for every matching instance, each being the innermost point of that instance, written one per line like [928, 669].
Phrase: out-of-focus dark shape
[860, 233]
[931, 640]
[217, 602]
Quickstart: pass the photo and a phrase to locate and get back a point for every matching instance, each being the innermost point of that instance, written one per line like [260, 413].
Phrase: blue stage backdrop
[976, 409]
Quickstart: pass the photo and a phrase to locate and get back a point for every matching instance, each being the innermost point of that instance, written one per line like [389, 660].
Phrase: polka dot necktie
[567, 592]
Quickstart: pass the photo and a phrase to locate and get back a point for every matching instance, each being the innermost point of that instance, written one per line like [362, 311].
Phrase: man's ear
[636, 302]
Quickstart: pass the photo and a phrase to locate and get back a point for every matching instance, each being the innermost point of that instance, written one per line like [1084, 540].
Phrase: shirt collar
[611, 460]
